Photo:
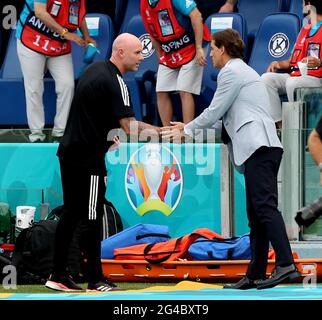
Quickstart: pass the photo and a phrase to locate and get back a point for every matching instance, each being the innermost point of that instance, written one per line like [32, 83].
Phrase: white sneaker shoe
[37, 137]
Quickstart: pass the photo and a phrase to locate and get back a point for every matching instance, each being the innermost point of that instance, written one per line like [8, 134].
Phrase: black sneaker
[103, 286]
[63, 283]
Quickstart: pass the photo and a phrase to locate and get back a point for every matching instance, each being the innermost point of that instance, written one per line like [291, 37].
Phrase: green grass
[42, 289]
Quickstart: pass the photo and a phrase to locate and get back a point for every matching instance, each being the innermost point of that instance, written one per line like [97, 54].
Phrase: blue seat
[11, 67]
[132, 9]
[120, 9]
[275, 40]
[142, 83]
[238, 23]
[12, 92]
[286, 5]
[210, 73]
[255, 11]
[296, 6]
[13, 103]
[0, 47]
[101, 28]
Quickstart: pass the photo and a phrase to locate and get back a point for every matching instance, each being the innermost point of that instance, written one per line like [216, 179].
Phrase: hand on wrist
[64, 32]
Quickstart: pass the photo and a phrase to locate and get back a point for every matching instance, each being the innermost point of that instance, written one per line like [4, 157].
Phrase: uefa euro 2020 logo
[153, 180]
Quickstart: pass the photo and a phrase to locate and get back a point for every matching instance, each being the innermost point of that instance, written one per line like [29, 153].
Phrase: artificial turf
[38, 288]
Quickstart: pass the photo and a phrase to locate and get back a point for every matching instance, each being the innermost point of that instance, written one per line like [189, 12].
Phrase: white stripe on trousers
[93, 192]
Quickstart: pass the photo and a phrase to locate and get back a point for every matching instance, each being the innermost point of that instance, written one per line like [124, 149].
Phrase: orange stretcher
[217, 271]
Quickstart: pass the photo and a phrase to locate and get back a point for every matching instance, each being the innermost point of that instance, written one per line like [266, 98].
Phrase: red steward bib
[307, 46]
[38, 37]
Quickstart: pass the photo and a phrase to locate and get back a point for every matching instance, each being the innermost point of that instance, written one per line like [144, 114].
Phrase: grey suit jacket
[241, 101]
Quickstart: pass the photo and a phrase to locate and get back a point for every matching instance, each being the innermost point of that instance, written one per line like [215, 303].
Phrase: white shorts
[187, 78]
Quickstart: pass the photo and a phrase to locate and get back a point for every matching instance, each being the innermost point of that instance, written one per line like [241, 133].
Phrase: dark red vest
[307, 46]
[178, 45]
[38, 37]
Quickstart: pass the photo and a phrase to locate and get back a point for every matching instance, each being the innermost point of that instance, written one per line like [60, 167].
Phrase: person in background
[241, 100]
[101, 6]
[315, 146]
[101, 104]
[45, 30]
[207, 7]
[307, 51]
[176, 30]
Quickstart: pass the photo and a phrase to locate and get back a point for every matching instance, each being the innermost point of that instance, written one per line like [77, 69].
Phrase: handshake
[176, 133]
[173, 133]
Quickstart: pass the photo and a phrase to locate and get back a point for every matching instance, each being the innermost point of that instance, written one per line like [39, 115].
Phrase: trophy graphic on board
[153, 180]
[153, 169]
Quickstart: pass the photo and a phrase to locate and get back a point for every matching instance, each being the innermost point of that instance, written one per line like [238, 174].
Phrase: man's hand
[227, 7]
[200, 57]
[273, 66]
[173, 133]
[140, 131]
[75, 38]
[90, 40]
[276, 65]
[312, 62]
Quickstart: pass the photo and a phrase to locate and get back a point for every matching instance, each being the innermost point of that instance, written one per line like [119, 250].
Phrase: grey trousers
[34, 66]
[282, 83]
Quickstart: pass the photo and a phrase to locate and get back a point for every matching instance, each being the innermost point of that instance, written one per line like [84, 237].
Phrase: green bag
[5, 223]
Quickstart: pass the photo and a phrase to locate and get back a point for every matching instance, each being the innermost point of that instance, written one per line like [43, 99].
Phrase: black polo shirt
[101, 99]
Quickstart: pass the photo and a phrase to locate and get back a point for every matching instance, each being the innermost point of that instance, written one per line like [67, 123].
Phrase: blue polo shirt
[24, 14]
[315, 28]
[184, 6]
[182, 10]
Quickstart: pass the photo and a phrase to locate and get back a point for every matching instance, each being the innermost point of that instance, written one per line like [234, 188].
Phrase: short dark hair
[315, 3]
[231, 40]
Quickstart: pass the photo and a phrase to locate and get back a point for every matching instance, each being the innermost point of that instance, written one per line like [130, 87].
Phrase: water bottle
[24, 218]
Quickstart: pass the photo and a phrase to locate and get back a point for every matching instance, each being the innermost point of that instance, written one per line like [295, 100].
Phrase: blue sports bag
[138, 234]
[236, 248]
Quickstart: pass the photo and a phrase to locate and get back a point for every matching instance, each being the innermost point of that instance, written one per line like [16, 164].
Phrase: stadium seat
[275, 40]
[255, 11]
[11, 67]
[132, 9]
[13, 103]
[218, 21]
[296, 6]
[285, 5]
[101, 28]
[12, 92]
[120, 9]
[142, 83]
[0, 47]
[210, 73]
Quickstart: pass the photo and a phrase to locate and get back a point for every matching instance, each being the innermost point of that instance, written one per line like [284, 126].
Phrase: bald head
[125, 41]
[127, 52]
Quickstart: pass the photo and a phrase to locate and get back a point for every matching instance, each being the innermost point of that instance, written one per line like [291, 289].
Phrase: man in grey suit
[241, 101]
